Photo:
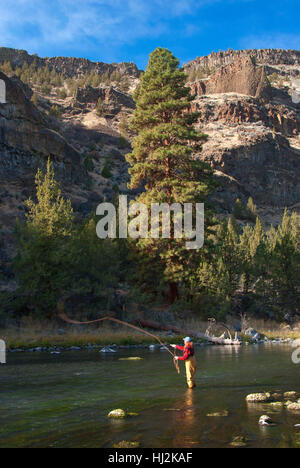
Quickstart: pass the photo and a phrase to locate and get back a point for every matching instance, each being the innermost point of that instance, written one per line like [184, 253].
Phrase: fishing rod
[64, 317]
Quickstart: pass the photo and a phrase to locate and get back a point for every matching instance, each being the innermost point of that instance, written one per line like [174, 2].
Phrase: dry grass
[274, 330]
[47, 334]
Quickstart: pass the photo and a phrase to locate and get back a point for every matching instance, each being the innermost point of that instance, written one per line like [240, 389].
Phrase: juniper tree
[40, 264]
[162, 157]
[251, 210]
[228, 257]
[57, 257]
[285, 264]
[100, 107]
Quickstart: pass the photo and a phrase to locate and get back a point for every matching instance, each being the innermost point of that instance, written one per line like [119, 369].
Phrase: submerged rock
[131, 359]
[265, 421]
[259, 397]
[126, 444]
[218, 414]
[238, 441]
[117, 414]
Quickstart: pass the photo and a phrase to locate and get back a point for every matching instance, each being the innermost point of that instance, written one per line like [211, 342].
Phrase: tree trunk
[159, 326]
[174, 294]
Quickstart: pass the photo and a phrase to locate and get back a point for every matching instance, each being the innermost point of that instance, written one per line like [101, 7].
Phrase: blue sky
[128, 30]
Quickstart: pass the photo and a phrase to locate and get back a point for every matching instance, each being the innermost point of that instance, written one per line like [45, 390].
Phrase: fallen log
[174, 329]
[151, 324]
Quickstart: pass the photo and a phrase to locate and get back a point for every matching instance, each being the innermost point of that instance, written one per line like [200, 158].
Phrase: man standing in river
[190, 360]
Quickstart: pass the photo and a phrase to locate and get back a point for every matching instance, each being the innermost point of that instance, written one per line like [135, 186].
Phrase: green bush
[88, 162]
[55, 111]
[106, 171]
[238, 210]
[100, 108]
[123, 143]
[61, 94]
[46, 89]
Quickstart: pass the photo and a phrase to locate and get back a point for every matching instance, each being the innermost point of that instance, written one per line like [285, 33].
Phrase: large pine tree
[162, 158]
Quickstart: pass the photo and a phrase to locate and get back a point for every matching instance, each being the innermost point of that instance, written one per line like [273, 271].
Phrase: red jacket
[188, 352]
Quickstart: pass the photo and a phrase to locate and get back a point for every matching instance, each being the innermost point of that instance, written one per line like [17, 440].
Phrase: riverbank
[41, 336]
[48, 337]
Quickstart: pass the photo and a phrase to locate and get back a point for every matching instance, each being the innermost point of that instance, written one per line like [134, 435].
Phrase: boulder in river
[107, 349]
[117, 414]
[265, 421]
[293, 407]
[290, 395]
[277, 396]
[152, 347]
[253, 334]
[259, 397]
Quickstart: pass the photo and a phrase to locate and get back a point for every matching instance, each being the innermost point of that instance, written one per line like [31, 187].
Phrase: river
[63, 400]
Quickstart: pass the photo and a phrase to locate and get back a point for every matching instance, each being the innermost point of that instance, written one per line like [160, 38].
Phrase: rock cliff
[242, 76]
[244, 105]
[68, 66]
[26, 137]
[263, 56]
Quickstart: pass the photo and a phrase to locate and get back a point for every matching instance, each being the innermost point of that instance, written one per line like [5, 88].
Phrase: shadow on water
[63, 400]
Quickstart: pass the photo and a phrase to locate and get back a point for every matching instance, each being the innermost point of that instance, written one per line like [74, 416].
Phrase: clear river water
[63, 400]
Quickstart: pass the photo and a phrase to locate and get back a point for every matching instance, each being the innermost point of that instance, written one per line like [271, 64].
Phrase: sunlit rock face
[2, 92]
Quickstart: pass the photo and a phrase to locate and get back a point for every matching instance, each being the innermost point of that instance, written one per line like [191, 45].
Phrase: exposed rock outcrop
[113, 99]
[26, 141]
[68, 66]
[242, 76]
[252, 161]
[252, 125]
[253, 129]
[263, 56]
[236, 109]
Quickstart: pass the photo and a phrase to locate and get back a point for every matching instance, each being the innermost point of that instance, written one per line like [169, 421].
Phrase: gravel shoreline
[114, 347]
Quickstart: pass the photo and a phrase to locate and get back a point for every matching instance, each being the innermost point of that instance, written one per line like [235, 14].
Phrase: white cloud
[30, 23]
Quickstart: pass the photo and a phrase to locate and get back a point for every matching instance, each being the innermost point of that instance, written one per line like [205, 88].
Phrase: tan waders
[190, 366]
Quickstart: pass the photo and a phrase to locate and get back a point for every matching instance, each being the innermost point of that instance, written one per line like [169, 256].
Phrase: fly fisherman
[189, 358]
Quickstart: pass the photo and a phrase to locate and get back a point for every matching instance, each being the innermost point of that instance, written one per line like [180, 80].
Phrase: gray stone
[259, 397]
[293, 407]
[107, 349]
[253, 334]
[117, 414]
[265, 421]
